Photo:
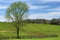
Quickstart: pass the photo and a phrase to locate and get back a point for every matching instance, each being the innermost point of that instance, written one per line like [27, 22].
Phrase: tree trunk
[18, 32]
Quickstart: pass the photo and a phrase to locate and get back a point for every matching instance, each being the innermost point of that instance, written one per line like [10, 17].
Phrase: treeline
[44, 21]
[55, 21]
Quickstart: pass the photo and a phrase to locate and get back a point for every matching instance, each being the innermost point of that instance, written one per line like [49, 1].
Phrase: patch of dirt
[6, 31]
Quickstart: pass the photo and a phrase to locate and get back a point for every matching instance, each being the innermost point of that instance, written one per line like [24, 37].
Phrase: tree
[16, 13]
[55, 21]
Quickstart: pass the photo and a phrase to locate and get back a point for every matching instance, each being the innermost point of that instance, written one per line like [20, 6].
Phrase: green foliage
[16, 11]
[55, 21]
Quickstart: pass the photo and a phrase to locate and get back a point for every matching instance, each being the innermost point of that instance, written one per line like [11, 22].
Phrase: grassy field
[6, 29]
[39, 39]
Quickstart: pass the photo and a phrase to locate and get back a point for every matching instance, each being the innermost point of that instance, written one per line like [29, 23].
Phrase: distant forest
[54, 21]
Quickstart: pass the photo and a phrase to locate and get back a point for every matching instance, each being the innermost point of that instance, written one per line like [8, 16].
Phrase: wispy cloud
[56, 9]
[2, 18]
[49, 15]
[49, 0]
[3, 7]
[36, 7]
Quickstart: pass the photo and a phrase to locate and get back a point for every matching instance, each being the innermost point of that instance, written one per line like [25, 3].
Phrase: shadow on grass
[2, 37]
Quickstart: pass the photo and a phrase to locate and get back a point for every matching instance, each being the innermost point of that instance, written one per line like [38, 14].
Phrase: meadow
[7, 29]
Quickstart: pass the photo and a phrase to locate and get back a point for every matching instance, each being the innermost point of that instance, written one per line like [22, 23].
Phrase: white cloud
[49, 15]
[2, 18]
[55, 9]
[3, 7]
[36, 7]
[10, 1]
[49, 0]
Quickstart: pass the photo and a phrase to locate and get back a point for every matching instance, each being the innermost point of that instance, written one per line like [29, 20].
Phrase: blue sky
[42, 9]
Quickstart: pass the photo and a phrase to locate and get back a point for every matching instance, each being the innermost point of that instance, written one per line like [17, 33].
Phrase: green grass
[42, 28]
[6, 26]
[31, 29]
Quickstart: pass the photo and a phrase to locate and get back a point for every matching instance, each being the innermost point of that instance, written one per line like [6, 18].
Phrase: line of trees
[54, 21]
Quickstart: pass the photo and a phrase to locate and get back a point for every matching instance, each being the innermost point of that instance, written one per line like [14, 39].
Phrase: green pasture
[7, 29]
